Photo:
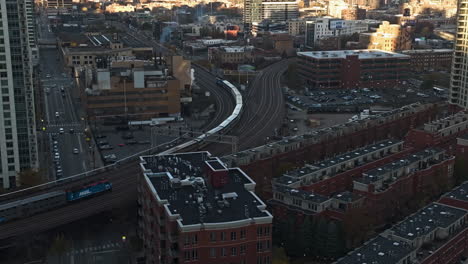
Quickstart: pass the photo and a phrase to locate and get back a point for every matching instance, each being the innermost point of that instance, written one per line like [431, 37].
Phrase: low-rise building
[352, 68]
[353, 13]
[388, 37]
[78, 49]
[135, 89]
[435, 234]
[192, 208]
[430, 59]
[442, 132]
[230, 54]
[322, 28]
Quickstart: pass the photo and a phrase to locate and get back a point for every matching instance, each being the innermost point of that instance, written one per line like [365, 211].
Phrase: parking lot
[355, 100]
[115, 144]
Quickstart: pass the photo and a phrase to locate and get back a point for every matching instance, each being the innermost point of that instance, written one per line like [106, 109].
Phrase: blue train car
[89, 190]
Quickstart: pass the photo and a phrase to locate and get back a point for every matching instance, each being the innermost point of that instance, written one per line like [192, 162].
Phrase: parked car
[76, 151]
[104, 147]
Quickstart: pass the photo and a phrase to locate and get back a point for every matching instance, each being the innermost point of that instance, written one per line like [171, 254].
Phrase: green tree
[427, 84]
[146, 26]
[293, 238]
[292, 77]
[309, 236]
[59, 247]
[279, 256]
[460, 170]
[30, 177]
[335, 242]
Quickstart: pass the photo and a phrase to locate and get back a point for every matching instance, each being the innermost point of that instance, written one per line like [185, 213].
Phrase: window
[223, 252]
[259, 246]
[233, 235]
[267, 231]
[242, 249]
[233, 251]
[187, 240]
[195, 239]
[223, 236]
[194, 254]
[187, 255]
[259, 231]
[212, 252]
[242, 234]
[212, 236]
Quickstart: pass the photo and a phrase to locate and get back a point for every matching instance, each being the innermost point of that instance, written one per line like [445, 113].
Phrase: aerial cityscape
[234, 132]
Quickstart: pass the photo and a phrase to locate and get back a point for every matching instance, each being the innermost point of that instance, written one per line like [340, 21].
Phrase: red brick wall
[262, 171]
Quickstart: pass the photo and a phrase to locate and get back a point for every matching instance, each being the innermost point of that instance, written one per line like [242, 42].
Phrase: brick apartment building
[352, 68]
[388, 37]
[441, 132]
[353, 13]
[193, 209]
[377, 179]
[430, 59]
[438, 233]
[261, 163]
[230, 55]
[135, 88]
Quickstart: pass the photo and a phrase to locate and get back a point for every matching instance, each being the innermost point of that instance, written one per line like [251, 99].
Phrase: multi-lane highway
[63, 126]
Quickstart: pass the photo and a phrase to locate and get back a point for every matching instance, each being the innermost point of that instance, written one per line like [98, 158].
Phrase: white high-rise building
[459, 79]
[321, 28]
[18, 144]
[280, 11]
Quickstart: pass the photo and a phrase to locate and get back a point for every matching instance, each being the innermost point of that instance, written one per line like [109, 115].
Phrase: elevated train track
[122, 175]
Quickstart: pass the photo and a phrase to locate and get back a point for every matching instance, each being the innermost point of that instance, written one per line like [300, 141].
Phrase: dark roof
[459, 193]
[342, 158]
[426, 220]
[378, 250]
[377, 173]
[181, 180]
[304, 195]
[347, 196]
[286, 180]
[465, 136]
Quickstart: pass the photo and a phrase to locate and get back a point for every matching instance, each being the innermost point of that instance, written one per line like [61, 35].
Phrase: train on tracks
[51, 200]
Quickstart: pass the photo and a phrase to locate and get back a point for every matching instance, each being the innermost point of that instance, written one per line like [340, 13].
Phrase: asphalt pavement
[60, 113]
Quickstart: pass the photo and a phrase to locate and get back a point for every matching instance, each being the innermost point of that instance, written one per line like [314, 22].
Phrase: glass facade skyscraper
[18, 143]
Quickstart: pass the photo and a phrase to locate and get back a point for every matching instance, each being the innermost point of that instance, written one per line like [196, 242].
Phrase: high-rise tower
[459, 79]
[18, 144]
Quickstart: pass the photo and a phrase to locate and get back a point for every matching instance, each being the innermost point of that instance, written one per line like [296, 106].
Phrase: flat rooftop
[304, 195]
[422, 51]
[426, 220]
[378, 250]
[342, 158]
[377, 173]
[362, 54]
[181, 180]
[460, 193]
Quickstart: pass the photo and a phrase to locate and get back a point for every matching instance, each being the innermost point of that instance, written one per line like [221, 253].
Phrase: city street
[61, 121]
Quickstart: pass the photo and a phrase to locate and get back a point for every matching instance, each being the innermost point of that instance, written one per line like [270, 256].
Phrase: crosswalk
[105, 247]
[57, 133]
[64, 125]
